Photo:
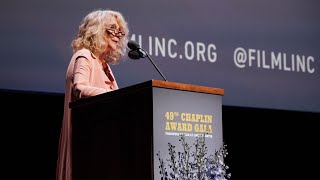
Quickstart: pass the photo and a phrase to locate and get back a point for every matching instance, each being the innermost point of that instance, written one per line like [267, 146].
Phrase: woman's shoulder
[84, 53]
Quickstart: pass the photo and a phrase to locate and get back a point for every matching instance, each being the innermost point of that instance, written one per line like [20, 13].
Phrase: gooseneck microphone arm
[154, 65]
[136, 53]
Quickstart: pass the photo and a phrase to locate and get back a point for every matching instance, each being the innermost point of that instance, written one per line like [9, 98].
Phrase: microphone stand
[147, 55]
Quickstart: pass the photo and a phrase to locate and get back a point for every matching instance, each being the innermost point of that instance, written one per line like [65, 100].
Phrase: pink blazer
[85, 78]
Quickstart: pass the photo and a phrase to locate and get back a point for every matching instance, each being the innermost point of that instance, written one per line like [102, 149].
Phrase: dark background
[262, 143]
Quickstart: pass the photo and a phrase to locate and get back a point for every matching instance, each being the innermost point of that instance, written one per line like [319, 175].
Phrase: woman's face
[113, 35]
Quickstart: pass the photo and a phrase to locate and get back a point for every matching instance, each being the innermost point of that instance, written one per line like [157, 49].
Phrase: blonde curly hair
[92, 31]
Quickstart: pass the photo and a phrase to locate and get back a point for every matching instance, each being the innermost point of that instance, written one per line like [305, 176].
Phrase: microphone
[133, 45]
[133, 54]
[136, 53]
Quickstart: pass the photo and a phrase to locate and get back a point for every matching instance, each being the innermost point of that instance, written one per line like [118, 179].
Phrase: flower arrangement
[196, 164]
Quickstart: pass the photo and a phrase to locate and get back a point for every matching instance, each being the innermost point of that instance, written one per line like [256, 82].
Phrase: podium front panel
[191, 114]
[117, 135]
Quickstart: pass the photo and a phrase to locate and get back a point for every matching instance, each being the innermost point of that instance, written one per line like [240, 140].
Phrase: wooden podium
[117, 135]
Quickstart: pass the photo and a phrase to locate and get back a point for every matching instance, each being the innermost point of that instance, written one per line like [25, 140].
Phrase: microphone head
[134, 54]
[133, 45]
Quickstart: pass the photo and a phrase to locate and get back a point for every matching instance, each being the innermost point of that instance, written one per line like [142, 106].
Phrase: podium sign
[186, 113]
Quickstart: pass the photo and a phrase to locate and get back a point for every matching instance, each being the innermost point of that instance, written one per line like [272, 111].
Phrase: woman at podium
[100, 42]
